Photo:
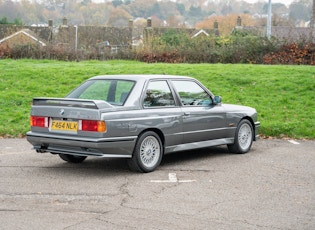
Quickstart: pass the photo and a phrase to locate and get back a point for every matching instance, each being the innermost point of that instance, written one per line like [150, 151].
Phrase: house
[137, 41]
[282, 33]
[22, 37]
[151, 32]
[68, 36]
[98, 38]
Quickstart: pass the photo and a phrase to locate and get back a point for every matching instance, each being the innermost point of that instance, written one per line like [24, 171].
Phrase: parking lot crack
[125, 192]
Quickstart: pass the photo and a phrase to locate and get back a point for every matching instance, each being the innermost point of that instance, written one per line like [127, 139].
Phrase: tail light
[91, 125]
[84, 125]
[39, 121]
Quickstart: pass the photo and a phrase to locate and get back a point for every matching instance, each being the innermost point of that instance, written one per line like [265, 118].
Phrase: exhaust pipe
[40, 149]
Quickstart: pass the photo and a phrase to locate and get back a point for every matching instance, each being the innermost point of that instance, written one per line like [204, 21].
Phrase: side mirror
[217, 100]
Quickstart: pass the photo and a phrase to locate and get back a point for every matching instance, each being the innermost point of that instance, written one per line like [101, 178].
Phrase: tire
[243, 138]
[147, 154]
[72, 158]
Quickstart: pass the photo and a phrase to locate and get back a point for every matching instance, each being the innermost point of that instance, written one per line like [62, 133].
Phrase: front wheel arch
[244, 136]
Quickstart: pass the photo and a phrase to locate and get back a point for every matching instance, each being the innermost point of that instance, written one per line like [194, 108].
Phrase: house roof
[284, 33]
[199, 33]
[25, 32]
[192, 32]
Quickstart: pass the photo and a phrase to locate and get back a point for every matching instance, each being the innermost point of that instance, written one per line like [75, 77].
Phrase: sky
[286, 2]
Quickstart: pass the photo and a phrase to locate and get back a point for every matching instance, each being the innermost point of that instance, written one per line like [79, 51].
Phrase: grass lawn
[284, 96]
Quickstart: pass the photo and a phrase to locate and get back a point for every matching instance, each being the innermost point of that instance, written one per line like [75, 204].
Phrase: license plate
[64, 125]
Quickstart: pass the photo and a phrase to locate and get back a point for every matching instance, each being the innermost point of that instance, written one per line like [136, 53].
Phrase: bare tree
[312, 24]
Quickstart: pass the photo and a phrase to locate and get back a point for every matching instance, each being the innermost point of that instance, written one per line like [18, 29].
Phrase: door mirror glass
[217, 100]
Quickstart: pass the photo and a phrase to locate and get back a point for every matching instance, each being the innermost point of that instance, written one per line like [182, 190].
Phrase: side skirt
[198, 145]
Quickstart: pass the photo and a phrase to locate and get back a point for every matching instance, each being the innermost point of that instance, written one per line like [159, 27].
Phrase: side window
[158, 93]
[191, 94]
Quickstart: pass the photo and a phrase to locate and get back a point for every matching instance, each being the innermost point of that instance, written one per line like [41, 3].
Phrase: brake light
[93, 126]
[39, 121]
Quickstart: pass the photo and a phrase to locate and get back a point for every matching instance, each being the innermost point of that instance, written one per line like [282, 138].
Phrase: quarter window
[191, 94]
[158, 93]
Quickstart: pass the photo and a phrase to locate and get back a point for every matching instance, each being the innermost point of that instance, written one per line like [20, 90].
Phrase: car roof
[137, 77]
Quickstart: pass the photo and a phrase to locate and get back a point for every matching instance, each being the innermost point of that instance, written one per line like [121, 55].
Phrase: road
[272, 187]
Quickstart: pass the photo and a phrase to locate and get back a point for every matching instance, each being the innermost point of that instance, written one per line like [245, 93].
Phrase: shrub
[179, 48]
[26, 51]
[233, 49]
[64, 53]
[292, 54]
[4, 51]
[248, 49]
[164, 56]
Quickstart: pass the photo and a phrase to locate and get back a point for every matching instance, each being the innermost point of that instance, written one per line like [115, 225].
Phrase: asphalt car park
[271, 187]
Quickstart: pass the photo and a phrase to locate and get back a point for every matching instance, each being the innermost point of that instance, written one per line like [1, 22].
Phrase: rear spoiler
[72, 102]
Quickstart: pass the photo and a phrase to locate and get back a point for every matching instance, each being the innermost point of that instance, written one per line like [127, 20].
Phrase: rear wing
[71, 102]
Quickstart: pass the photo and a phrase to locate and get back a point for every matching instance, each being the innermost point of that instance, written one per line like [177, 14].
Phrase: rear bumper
[120, 147]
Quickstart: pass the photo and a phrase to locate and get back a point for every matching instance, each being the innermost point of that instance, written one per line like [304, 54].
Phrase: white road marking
[293, 142]
[172, 178]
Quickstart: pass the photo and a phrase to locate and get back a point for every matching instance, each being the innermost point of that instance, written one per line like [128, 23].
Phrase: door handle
[186, 114]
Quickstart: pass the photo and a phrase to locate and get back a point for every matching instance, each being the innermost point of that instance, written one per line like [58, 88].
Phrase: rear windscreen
[112, 91]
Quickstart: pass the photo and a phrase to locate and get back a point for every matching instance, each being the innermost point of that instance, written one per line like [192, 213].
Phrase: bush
[4, 51]
[30, 50]
[63, 53]
[179, 48]
[248, 49]
[164, 56]
[292, 54]
[233, 49]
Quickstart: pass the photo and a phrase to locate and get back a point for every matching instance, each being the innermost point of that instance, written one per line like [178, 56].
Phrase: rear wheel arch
[148, 151]
[158, 132]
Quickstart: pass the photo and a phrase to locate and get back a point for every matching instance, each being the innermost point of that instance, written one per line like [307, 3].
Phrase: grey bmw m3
[138, 117]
